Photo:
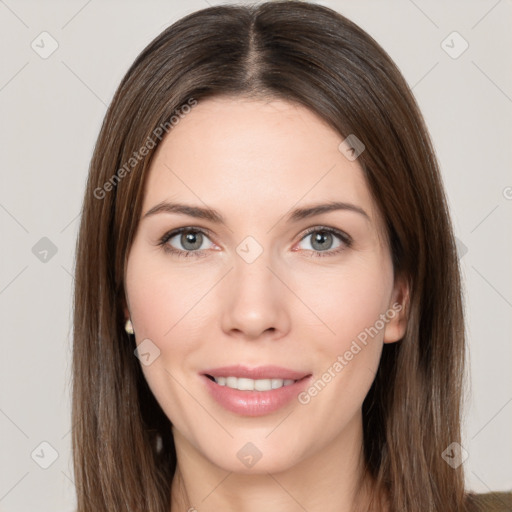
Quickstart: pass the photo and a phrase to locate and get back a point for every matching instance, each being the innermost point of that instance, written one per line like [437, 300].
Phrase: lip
[260, 372]
[255, 403]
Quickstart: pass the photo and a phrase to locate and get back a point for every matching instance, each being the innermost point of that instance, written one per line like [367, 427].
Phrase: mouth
[254, 391]
[245, 384]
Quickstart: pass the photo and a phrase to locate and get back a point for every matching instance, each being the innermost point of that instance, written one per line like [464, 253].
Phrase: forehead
[253, 156]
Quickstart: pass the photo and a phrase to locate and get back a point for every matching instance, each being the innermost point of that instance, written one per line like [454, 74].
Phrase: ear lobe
[397, 312]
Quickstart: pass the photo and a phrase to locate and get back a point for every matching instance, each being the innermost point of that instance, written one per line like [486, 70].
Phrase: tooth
[231, 382]
[263, 385]
[245, 384]
[277, 383]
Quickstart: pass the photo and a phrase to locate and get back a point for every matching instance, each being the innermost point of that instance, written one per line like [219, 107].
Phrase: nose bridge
[254, 299]
[253, 276]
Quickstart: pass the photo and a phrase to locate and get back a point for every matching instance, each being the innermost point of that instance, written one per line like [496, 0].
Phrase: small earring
[128, 327]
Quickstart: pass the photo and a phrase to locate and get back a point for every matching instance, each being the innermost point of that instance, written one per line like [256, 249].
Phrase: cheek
[161, 308]
[348, 301]
[165, 307]
[161, 299]
[154, 308]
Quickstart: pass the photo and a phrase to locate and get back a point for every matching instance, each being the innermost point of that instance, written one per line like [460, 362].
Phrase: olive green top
[490, 502]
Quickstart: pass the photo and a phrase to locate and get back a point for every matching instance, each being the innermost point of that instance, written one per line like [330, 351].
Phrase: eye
[190, 241]
[185, 242]
[328, 241]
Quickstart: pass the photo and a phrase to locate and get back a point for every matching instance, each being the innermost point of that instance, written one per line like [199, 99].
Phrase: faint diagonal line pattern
[190, 189]
[13, 13]
[198, 403]
[491, 80]
[69, 223]
[68, 272]
[425, 75]
[305, 194]
[280, 423]
[198, 301]
[287, 492]
[14, 218]
[478, 225]
[93, 92]
[493, 287]
[496, 496]
[14, 76]
[486, 14]
[13, 279]
[501, 409]
[34, 202]
[68, 431]
[76, 14]
[216, 487]
[14, 485]
[301, 301]
[424, 13]
[14, 423]
[67, 476]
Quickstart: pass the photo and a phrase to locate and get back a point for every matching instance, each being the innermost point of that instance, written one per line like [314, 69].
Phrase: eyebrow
[318, 209]
[215, 217]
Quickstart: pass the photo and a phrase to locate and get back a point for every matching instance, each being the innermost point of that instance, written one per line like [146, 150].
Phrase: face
[249, 275]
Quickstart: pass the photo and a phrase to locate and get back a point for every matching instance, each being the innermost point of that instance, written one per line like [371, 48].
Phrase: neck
[330, 480]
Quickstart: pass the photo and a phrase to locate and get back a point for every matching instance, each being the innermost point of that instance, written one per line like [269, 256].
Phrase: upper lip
[259, 372]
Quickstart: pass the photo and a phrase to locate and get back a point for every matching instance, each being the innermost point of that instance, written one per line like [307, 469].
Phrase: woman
[267, 307]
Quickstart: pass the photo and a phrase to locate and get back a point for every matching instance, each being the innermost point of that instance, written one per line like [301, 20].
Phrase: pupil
[321, 237]
[191, 238]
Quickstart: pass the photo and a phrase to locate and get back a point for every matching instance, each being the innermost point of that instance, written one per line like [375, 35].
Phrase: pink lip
[255, 403]
[260, 372]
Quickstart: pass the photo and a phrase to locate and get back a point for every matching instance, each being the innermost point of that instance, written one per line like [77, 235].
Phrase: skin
[254, 161]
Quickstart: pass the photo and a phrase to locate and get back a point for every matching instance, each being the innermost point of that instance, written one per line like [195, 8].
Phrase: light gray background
[51, 110]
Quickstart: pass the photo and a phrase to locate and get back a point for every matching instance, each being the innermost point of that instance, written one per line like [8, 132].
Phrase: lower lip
[254, 403]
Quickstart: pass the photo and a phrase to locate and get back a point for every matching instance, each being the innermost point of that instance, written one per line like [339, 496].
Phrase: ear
[397, 312]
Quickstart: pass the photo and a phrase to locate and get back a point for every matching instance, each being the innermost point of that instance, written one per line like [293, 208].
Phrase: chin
[253, 458]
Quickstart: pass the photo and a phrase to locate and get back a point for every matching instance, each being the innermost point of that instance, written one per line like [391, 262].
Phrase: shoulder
[489, 502]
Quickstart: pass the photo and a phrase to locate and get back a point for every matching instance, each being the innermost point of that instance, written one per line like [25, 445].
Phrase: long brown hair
[124, 455]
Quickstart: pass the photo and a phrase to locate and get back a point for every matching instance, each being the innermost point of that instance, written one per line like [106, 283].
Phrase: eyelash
[344, 238]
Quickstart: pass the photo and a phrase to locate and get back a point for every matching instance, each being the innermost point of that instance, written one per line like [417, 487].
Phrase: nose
[254, 300]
